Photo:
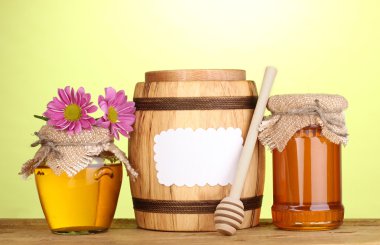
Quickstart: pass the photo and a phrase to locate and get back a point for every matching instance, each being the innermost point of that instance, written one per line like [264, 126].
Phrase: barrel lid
[195, 75]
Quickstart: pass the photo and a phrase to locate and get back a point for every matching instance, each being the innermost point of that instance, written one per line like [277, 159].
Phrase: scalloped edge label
[187, 157]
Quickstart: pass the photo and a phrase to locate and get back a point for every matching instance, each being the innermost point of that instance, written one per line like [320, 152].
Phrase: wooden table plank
[30, 231]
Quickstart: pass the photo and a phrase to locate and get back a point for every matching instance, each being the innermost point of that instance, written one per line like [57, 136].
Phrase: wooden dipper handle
[229, 213]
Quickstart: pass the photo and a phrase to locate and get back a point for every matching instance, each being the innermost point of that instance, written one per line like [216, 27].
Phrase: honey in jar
[82, 204]
[307, 191]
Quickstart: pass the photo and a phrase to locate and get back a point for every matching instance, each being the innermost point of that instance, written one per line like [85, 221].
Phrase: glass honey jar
[305, 133]
[307, 191]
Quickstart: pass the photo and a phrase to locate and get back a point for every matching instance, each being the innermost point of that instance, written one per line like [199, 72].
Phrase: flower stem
[41, 117]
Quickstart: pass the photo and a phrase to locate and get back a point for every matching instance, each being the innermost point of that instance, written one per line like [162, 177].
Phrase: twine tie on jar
[51, 146]
[43, 141]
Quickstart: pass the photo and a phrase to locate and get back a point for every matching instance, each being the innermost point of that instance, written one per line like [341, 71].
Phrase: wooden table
[21, 231]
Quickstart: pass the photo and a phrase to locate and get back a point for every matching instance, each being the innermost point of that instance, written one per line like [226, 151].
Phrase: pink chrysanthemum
[70, 111]
[118, 112]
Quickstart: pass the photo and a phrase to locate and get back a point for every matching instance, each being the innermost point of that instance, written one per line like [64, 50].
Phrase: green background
[319, 46]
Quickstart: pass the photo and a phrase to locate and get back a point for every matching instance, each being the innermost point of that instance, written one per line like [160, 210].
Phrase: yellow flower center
[112, 115]
[73, 112]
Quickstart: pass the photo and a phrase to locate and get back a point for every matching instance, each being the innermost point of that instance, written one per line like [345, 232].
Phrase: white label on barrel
[197, 157]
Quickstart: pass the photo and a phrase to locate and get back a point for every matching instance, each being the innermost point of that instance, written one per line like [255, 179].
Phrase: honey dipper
[229, 213]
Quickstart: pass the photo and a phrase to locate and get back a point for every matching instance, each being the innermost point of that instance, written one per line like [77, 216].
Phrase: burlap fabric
[63, 152]
[291, 113]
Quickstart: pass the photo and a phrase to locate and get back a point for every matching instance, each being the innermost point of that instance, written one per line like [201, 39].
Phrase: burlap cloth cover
[72, 153]
[291, 113]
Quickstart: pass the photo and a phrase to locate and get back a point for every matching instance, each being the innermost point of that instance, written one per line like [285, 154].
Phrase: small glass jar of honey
[307, 191]
[305, 133]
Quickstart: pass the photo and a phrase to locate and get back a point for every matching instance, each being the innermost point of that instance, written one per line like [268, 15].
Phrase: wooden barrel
[185, 146]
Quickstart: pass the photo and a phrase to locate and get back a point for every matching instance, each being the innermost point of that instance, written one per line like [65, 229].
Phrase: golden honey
[84, 203]
[307, 191]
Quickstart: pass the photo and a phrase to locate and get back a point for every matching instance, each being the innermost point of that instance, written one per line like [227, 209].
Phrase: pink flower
[118, 112]
[70, 111]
